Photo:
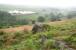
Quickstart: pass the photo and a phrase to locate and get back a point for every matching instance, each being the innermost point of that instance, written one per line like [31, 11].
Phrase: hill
[61, 32]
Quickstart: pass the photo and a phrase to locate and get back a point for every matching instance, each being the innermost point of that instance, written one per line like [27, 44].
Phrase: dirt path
[15, 29]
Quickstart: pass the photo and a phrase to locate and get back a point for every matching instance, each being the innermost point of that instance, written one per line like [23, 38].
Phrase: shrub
[41, 19]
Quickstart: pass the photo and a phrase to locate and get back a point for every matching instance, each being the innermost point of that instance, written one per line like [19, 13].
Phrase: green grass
[28, 41]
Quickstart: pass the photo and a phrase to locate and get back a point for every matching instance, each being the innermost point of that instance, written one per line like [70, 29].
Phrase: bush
[41, 19]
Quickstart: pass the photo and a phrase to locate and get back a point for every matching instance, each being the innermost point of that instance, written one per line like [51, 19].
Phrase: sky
[48, 3]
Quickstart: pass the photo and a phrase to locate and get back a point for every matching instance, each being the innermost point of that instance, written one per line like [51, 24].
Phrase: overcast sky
[50, 3]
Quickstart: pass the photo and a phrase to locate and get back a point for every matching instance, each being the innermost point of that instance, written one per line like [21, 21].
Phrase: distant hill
[40, 11]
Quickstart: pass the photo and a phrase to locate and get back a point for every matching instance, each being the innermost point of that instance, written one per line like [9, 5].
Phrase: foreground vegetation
[46, 40]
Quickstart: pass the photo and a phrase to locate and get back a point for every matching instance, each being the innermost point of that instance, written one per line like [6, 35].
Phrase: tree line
[6, 19]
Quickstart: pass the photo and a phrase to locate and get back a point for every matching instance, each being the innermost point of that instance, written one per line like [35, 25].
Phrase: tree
[33, 21]
[71, 15]
[41, 19]
[55, 17]
[6, 18]
[23, 22]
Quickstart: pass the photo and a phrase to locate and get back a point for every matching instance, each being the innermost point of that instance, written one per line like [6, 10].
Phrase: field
[61, 35]
[17, 29]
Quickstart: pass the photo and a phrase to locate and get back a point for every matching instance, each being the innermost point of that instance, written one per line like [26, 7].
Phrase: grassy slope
[27, 41]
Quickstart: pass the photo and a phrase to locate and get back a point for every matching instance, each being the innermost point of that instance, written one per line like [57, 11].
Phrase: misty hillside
[37, 28]
[41, 13]
[39, 10]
